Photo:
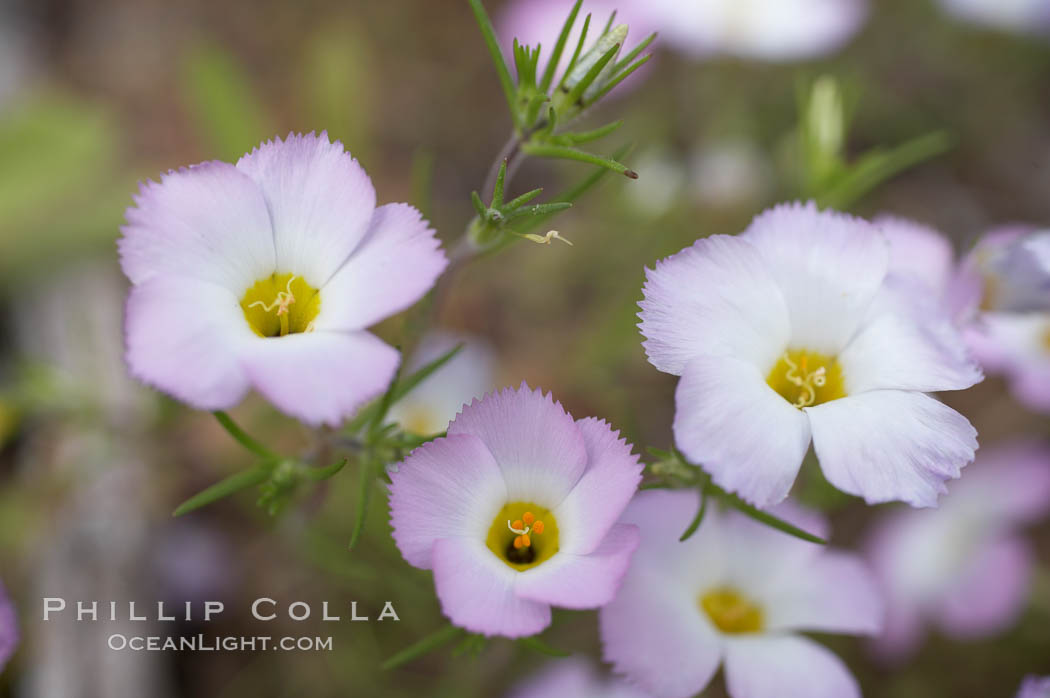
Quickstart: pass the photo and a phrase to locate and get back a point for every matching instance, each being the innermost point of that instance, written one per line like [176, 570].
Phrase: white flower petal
[434, 403]
[448, 488]
[832, 593]
[918, 251]
[785, 666]
[893, 352]
[716, 297]
[658, 638]
[183, 337]
[320, 202]
[320, 377]
[611, 479]
[569, 580]
[476, 590]
[396, 263]
[990, 593]
[759, 558]
[829, 267]
[533, 439]
[891, 445]
[207, 222]
[749, 438]
[770, 30]
[662, 516]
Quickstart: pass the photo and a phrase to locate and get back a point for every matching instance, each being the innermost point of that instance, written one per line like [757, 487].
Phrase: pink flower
[8, 628]
[999, 294]
[515, 511]
[265, 274]
[574, 677]
[963, 568]
[789, 334]
[737, 593]
[1020, 16]
[432, 404]
[768, 30]
[1035, 687]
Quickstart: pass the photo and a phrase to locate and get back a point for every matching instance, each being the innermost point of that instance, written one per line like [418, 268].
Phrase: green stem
[224, 488]
[242, 437]
[428, 644]
[566, 153]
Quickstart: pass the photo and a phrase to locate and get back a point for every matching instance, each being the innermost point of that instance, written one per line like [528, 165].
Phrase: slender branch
[242, 437]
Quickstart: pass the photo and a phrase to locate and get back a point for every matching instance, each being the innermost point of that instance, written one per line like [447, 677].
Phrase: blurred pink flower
[265, 274]
[1035, 687]
[515, 512]
[1020, 16]
[9, 636]
[999, 294]
[963, 568]
[573, 678]
[432, 404]
[768, 30]
[787, 334]
[737, 593]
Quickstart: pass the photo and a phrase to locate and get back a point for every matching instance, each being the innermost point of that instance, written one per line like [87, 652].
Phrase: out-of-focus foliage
[61, 185]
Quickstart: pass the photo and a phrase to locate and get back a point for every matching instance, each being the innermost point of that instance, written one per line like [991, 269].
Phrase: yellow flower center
[806, 378]
[1046, 339]
[731, 612]
[523, 535]
[421, 420]
[281, 304]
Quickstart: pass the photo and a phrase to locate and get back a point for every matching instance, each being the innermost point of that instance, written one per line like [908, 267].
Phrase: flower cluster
[811, 328]
[8, 628]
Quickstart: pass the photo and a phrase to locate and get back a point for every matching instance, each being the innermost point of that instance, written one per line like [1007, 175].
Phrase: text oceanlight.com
[231, 643]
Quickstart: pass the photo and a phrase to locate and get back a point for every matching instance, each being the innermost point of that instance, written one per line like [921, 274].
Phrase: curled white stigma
[284, 299]
[807, 382]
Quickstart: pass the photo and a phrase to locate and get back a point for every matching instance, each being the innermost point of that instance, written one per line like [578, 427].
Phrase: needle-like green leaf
[567, 153]
[591, 75]
[497, 191]
[559, 48]
[488, 33]
[576, 53]
[695, 524]
[226, 487]
[241, 436]
[426, 645]
[537, 645]
[522, 200]
[587, 136]
[617, 78]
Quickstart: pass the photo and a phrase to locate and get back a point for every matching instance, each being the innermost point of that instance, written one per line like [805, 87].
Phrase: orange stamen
[528, 518]
[517, 524]
[525, 540]
[537, 527]
[519, 542]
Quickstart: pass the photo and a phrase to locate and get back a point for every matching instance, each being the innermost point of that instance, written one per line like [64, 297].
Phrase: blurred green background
[102, 94]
